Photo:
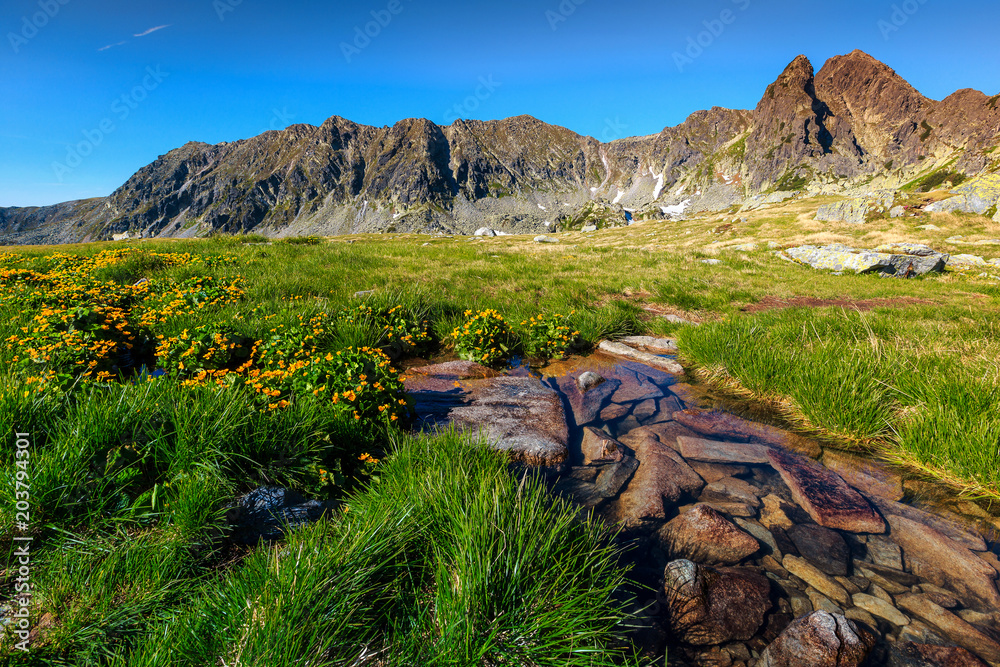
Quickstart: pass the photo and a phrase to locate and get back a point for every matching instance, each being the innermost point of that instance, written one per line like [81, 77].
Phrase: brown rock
[614, 411]
[519, 416]
[964, 535]
[713, 472]
[866, 475]
[816, 578]
[713, 451]
[909, 654]
[943, 562]
[600, 447]
[951, 626]
[940, 596]
[707, 606]
[719, 425]
[773, 514]
[706, 536]
[820, 639]
[586, 406]
[825, 495]
[731, 489]
[615, 476]
[658, 484]
[822, 547]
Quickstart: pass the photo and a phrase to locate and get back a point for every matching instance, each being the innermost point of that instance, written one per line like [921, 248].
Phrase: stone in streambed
[706, 536]
[713, 472]
[651, 344]
[822, 547]
[719, 425]
[615, 476]
[588, 380]
[586, 406]
[880, 608]
[944, 562]
[820, 639]
[910, 654]
[953, 627]
[599, 447]
[712, 451]
[662, 479]
[708, 606]
[622, 350]
[816, 578]
[732, 490]
[825, 495]
[869, 477]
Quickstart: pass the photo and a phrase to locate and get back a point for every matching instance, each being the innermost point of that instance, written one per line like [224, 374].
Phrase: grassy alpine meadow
[158, 381]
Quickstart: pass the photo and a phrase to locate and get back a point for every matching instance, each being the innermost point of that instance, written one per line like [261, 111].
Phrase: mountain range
[854, 124]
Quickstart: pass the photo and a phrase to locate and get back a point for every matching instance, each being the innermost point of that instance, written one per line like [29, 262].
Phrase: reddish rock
[703, 535]
[713, 451]
[599, 447]
[869, 477]
[713, 472]
[726, 426]
[820, 639]
[822, 547]
[940, 560]
[825, 495]
[586, 406]
[662, 479]
[732, 490]
[707, 606]
[909, 654]
[516, 414]
[614, 411]
[964, 535]
[951, 626]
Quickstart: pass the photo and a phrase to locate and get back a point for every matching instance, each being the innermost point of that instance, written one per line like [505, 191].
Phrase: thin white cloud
[111, 46]
[152, 30]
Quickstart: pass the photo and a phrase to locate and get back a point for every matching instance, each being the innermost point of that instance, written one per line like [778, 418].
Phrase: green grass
[448, 558]
[920, 385]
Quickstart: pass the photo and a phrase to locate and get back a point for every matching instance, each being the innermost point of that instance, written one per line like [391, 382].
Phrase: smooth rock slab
[909, 654]
[652, 344]
[864, 474]
[880, 608]
[712, 451]
[943, 562]
[951, 626]
[822, 547]
[820, 639]
[586, 406]
[825, 495]
[816, 578]
[704, 535]
[719, 425]
[707, 606]
[622, 350]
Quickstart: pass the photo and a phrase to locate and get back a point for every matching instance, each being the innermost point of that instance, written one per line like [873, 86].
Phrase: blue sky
[92, 90]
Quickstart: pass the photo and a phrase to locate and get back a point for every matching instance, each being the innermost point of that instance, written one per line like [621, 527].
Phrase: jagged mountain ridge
[853, 122]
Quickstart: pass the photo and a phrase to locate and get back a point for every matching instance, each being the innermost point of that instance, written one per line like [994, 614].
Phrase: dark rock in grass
[825, 495]
[704, 535]
[268, 511]
[707, 606]
[822, 547]
[909, 654]
[820, 639]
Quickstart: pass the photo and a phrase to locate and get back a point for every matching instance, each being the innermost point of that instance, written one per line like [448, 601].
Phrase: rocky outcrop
[903, 260]
[827, 131]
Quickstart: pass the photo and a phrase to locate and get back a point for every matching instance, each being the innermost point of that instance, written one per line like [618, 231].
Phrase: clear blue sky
[228, 69]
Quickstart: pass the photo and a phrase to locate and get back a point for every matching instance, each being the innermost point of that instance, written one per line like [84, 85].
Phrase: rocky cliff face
[854, 120]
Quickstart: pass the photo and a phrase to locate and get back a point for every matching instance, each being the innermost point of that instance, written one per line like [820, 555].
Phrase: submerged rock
[708, 606]
[820, 639]
[702, 534]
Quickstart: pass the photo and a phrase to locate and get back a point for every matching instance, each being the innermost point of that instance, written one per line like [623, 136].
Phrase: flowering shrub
[548, 336]
[485, 338]
[204, 354]
[61, 344]
[398, 333]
